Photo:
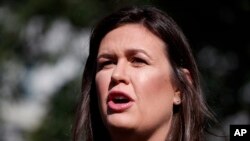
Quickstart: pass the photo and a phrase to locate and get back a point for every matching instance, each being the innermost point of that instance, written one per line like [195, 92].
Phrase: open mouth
[120, 99]
[119, 102]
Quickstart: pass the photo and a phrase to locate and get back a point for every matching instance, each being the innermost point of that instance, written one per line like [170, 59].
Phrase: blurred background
[44, 46]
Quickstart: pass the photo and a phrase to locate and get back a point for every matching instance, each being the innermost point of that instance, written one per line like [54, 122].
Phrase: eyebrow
[134, 51]
[105, 55]
[128, 52]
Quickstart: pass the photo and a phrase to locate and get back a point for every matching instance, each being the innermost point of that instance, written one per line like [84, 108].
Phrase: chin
[120, 121]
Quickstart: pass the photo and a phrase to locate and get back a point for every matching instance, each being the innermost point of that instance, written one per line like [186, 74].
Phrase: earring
[178, 102]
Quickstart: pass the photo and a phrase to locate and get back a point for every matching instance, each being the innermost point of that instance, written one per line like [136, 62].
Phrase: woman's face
[133, 81]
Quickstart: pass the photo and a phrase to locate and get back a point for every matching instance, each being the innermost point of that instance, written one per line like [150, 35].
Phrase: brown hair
[189, 117]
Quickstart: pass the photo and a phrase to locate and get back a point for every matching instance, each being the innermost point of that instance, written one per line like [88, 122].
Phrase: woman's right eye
[105, 64]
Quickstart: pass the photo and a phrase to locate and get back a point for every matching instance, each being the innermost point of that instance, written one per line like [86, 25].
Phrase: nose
[120, 74]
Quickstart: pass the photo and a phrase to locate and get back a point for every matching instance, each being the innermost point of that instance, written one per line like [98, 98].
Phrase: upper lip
[115, 93]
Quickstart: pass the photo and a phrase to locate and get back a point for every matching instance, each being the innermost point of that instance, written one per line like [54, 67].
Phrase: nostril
[115, 82]
[116, 79]
[120, 73]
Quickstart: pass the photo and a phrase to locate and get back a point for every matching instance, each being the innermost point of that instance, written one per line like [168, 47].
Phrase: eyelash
[138, 60]
[101, 65]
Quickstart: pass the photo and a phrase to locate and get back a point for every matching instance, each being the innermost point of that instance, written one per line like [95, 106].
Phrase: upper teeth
[119, 97]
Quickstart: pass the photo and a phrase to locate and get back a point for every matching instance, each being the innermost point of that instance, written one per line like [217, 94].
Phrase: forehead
[133, 36]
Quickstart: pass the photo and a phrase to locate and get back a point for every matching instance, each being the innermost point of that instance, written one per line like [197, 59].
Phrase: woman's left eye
[138, 61]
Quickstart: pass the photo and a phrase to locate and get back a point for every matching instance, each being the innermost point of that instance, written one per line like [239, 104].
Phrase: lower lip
[119, 107]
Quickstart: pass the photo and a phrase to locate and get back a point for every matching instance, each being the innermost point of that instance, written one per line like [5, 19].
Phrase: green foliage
[217, 25]
[58, 123]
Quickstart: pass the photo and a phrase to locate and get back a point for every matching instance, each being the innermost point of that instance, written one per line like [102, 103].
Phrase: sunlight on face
[134, 81]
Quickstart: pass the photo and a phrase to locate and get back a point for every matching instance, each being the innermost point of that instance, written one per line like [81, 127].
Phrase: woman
[140, 82]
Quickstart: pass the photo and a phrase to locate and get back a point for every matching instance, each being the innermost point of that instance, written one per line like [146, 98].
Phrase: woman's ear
[177, 96]
[187, 74]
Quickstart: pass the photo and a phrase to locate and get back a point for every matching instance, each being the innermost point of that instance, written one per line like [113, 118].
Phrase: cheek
[153, 83]
[102, 83]
[102, 80]
[155, 91]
